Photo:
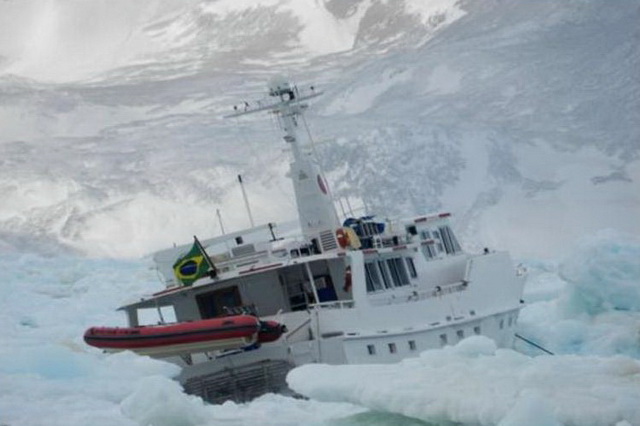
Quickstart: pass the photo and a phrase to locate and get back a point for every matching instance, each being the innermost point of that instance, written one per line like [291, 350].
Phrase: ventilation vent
[328, 241]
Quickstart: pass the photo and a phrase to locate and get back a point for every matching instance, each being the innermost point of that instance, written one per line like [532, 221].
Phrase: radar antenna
[316, 210]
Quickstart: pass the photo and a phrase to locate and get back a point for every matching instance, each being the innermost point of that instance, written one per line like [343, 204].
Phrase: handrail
[441, 290]
[298, 328]
[335, 304]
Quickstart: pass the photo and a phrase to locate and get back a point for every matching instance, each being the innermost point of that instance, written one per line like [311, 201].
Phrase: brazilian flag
[193, 265]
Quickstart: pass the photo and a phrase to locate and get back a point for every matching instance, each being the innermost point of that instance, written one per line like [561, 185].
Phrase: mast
[316, 211]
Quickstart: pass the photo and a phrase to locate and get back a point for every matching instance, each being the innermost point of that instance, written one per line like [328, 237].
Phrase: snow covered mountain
[522, 118]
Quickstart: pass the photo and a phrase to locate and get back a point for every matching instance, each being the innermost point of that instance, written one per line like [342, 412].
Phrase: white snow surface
[473, 383]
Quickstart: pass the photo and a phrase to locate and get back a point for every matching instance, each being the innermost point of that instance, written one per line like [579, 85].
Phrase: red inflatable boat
[232, 332]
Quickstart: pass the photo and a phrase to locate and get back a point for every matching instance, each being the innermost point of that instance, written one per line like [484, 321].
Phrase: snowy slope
[522, 118]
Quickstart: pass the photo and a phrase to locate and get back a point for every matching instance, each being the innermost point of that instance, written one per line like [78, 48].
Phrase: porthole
[443, 340]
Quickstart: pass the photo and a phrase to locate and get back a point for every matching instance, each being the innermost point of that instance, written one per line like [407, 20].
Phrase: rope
[533, 344]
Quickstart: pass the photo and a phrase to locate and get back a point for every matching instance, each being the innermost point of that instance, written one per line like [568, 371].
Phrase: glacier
[495, 111]
[521, 118]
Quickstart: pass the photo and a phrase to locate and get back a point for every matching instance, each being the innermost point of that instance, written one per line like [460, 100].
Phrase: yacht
[356, 290]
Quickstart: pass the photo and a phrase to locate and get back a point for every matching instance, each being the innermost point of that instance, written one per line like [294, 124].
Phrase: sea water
[585, 308]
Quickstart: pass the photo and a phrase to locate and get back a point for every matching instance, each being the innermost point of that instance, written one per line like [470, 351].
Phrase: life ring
[353, 239]
[347, 237]
[342, 237]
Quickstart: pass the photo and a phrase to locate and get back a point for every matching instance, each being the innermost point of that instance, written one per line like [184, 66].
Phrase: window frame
[386, 278]
[371, 272]
[413, 273]
[398, 271]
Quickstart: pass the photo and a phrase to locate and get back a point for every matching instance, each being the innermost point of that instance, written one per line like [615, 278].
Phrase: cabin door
[326, 292]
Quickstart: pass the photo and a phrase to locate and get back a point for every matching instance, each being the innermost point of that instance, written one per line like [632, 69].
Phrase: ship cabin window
[373, 277]
[389, 273]
[501, 323]
[476, 329]
[398, 271]
[371, 349]
[412, 267]
[460, 334]
[305, 251]
[392, 348]
[412, 345]
[154, 316]
[443, 340]
[218, 303]
[428, 246]
[449, 240]
[437, 238]
[510, 321]
[429, 251]
[385, 275]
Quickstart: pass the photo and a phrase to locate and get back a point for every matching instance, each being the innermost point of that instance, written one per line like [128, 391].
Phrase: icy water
[585, 308]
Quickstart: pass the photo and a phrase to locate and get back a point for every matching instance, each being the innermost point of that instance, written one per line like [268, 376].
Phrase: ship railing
[240, 310]
[335, 304]
[441, 290]
[226, 262]
[239, 261]
[297, 329]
